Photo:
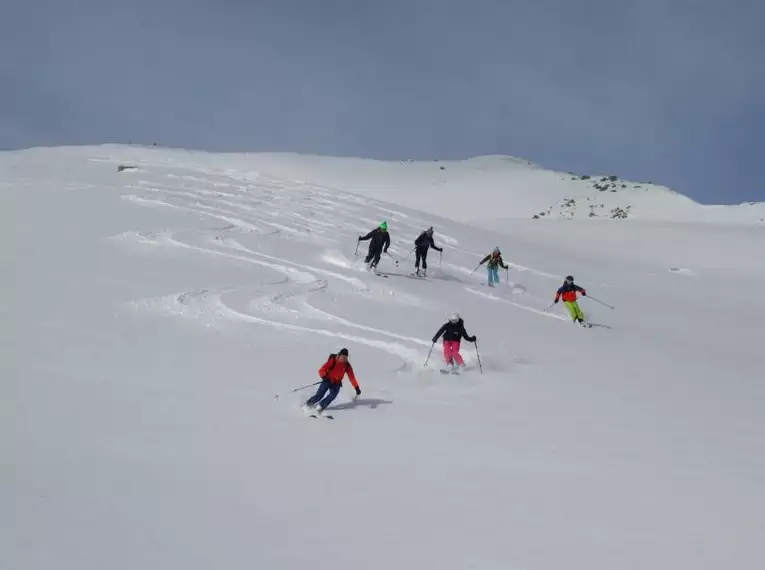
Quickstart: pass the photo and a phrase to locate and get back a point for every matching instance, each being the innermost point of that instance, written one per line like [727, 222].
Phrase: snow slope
[151, 315]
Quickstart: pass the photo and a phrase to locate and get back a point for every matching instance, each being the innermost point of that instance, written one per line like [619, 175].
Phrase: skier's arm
[324, 370]
[581, 290]
[352, 378]
[387, 242]
[441, 331]
[366, 237]
[466, 336]
[558, 294]
[434, 246]
[485, 259]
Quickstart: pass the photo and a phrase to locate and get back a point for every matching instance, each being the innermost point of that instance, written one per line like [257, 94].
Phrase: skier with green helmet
[379, 244]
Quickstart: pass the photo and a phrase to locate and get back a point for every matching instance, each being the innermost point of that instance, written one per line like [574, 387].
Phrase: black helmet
[343, 352]
[570, 278]
[429, 230]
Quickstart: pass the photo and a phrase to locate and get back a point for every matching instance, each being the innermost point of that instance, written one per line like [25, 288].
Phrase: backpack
[333, 359]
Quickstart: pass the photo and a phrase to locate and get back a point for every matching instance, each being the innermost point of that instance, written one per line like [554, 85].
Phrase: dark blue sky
[668, 91]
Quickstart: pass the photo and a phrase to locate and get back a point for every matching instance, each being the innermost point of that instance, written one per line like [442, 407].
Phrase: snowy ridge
[152, 313]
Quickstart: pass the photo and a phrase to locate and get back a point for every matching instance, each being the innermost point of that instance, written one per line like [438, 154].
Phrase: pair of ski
[312, 413]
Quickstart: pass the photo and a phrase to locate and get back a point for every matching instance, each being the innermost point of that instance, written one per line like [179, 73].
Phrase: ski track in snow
[517, 305]
[286, 299]
[309, 214]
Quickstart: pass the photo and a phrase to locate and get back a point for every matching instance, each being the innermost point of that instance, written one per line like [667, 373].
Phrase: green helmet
[384, 225]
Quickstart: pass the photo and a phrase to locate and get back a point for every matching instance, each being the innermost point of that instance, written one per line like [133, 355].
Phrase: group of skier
[379, 242]
[452, 332]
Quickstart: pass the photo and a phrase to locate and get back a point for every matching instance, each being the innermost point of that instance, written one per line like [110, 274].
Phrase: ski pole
[476, 269]
[440, 257]
[411, 252]
[276, 396]
[428, 358]
[507, 272]
[393, 258]
[355, 253]
[601, 302]
[479, 357]
[550, 306]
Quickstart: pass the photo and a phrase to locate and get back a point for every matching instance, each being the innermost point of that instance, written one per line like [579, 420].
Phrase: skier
[568, 292]
[495, 261]
[379, 244]
[453, 331]
[332, 373]
[421, 246]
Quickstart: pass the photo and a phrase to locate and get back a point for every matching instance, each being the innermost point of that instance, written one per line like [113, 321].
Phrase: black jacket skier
[421, 246]
[379, 244]
[453, 332]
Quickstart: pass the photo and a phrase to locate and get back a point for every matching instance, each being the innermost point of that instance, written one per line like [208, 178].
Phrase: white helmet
[454, 318]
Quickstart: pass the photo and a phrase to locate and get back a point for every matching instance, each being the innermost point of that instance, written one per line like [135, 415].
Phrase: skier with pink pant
[453, 332]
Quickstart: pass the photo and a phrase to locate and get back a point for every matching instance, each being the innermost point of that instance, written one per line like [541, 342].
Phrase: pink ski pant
[452, 351]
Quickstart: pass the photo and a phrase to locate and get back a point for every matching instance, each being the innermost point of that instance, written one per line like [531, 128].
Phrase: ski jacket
[380, 240]
[494, 259]
[334, 371]
[453, 332]
[425, 241]
[568, 292]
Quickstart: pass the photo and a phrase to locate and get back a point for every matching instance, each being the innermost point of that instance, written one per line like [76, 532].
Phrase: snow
[150, 316]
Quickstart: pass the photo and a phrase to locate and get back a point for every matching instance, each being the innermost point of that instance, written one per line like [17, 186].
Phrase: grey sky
[671, 91]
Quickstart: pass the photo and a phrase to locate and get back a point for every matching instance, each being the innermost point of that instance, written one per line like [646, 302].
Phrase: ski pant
[452, 352]
[574, 310]
[374, 256]
[493, 275]
[421, 254]
[326, 387]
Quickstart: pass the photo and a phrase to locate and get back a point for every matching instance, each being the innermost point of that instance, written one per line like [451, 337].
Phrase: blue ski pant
[326, 387]
[493, 275]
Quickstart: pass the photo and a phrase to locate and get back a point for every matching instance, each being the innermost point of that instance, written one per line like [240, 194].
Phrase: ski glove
[435, 339]
[555, 301]
[472, 339]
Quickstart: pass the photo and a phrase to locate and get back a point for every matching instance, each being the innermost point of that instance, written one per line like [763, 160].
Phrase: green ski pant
[574, 310]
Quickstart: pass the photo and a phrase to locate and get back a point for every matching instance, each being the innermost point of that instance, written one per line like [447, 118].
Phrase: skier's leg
[425, 260]
[457, 355]
[571, 310]
[376, 260]
[578, 314]
[333, 390]
[417, 259]
[323, 387]
[448, 352]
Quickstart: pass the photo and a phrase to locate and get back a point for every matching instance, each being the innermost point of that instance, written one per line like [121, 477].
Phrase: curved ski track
[272, 209]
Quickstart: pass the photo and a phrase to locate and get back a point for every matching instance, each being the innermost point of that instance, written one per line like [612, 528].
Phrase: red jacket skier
[332, 373]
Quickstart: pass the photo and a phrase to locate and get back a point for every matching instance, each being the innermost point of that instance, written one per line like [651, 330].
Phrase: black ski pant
[421, 254]
[374, 256]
